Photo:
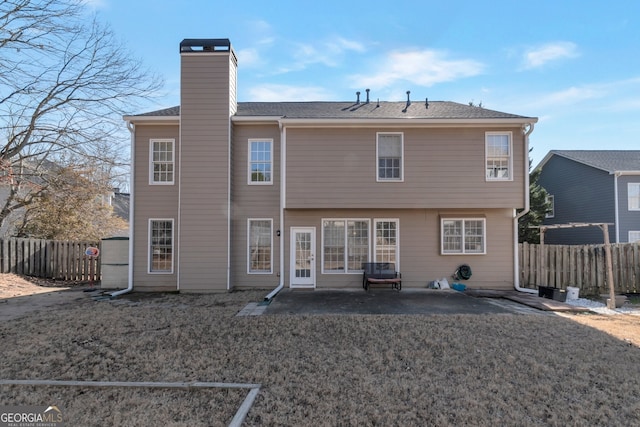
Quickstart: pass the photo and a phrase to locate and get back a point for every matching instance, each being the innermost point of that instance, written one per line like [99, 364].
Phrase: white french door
[303, 257]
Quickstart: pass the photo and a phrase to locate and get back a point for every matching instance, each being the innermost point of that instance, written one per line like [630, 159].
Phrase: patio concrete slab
[383, 301]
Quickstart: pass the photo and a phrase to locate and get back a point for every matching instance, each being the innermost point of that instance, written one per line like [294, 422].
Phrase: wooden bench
[381, 273]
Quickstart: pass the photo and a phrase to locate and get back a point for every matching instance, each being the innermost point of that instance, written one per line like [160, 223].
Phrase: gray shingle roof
[373, 110]
[352, 110]
[607, 160]
[167, 112]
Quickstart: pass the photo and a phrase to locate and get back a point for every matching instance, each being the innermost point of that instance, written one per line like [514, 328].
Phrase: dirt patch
[20, 295]
[625, 327]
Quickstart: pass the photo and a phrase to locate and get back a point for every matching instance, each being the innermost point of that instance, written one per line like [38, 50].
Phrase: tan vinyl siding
[254, 201]
[233, 85]
[443, 168]
[204, 179]
[152, 201]
[419, 253]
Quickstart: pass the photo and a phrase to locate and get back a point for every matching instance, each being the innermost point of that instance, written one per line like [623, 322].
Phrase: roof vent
[367, 90]
[426, 103]
[358, 97]
[408, 102]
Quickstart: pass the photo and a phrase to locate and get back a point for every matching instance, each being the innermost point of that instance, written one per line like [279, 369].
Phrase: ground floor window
[634, 236]
[387, 241]
[345, 245]
[259, 245]
[161, 245]
[463, 236]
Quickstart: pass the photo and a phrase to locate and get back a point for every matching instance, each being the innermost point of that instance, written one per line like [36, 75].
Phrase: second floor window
[499, 156]
[551, 201]
[162, 161]
[260, 161]
[633, 189]
[389, 153]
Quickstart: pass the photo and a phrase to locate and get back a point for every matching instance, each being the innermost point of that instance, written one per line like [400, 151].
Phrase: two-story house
[587, 186]
[231, 194]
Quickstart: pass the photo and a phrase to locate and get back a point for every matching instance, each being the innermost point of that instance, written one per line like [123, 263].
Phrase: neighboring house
[588, 186]
[120, 203]
[231, 194]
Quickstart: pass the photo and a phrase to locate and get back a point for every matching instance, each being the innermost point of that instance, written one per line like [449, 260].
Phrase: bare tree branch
[64, 85]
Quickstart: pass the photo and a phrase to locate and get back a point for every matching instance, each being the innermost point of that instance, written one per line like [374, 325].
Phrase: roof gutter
[132, 130]
[403, 122]
[155, 120]
[516, 217]
[283, 186]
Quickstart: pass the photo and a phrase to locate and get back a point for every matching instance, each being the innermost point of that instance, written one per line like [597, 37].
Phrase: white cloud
[539, 56]
[280, 93]
[420, 67]
[619, 95]
[572, 95]
[330, 53]
[260, 31]
[340, 45]
[248, 58]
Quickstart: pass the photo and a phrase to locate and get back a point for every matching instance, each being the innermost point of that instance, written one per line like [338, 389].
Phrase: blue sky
[573, 64]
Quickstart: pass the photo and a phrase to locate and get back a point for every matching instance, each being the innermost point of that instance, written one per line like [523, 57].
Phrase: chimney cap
[205, 45]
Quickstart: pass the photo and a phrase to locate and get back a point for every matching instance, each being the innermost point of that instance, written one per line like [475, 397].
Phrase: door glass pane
[303, 254]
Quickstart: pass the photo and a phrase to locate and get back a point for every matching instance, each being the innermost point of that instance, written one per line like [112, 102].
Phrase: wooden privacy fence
[580, 266]
[51, 259]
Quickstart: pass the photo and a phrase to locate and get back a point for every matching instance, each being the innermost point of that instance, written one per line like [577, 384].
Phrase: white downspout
[283, 163]
[229, 207]
[132, 130]
[516, 217]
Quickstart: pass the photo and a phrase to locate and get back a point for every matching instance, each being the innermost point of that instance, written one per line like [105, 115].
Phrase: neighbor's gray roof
[607, 160]
[352, 110]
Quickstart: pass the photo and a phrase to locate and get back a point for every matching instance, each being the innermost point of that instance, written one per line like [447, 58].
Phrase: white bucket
[572, 293]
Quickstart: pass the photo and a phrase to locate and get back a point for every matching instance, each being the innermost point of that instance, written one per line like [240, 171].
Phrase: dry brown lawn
[516, 370]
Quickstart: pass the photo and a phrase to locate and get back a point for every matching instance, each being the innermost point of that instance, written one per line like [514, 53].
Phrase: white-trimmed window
[463, 236]
[551, 212]
[390, 156]
[345, 245]
[259, 245]
[260, 162]
[633, 195]
[499, 156]
[161, 245]
[387, 235]
[634, 236]
[161, 161]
